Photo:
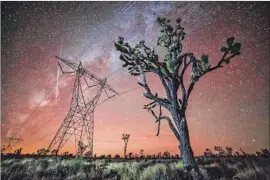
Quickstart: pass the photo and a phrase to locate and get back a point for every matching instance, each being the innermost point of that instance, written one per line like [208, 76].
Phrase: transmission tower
[125, 137]
[11, 143]
[79, 121]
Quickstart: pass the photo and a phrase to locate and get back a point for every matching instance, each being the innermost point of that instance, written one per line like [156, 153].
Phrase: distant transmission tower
[79, 121]
[125, 137]
[11, 143]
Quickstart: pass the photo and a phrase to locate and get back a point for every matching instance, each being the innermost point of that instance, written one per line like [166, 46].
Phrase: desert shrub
[43, 164]
[27, 161]
[49, 168]
[251, 170]
[157, 171]
[122, 169]
[251, 174]
[7, 163]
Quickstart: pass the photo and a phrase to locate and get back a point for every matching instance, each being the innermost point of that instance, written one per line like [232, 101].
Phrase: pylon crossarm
[71, 64]
[109, 88]
[64, 72]
[88, 84]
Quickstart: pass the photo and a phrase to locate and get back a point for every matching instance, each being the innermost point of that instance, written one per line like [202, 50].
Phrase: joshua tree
[229, 151]
[166, 154]
[265, 152]
[220, 150]
[208, 153]
[141, 153]
[18, 151]
[42, 152]
[109, 156]
[54, 152]
[66, 153]
[3, 149]
[258, 153]
[130, 155]
[88, 154]
[243, 152]
[102, 156]
[125, 137]
[142, 59]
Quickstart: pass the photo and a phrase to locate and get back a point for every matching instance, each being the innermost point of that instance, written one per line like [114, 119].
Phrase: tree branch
[165, 85]
[164, 102]
[184, 93]
[179, 61]
[159, 118]
[219, 65]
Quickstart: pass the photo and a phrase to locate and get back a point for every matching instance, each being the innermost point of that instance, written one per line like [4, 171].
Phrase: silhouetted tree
[66, 153]
[130, 155]
[117, 156]
[265, 152]
[88, 154]
[3, 149]
[220, 150]
[166, 154]
[102, 156]
[243, 152]
[159, 155]
[109, 156]
[229, 151]
[142, 59]
[141, 153]
[176, 156]
[18, 151]
[54, 152]
[42, 152]
[125, 137]
[208, 153]
[259, 153]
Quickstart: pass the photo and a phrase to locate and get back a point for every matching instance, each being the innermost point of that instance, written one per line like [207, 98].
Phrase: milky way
[229, 107]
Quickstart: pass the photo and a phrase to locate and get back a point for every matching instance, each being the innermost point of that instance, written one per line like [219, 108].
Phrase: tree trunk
[185, 148]
[125, 151]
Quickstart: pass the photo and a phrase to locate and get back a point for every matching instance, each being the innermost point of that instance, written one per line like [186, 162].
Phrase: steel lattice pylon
[79, 121]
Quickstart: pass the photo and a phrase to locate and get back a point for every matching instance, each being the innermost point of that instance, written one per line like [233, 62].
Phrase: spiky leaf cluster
[232, 48]
[199, 67]
[135, 56]
[170, 37]
[142, 55]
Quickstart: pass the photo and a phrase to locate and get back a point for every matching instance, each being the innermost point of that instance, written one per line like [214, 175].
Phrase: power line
[50, 120]
[114, 72]
[33, 112]
[119, 94]
[122, 10]
[46, 123]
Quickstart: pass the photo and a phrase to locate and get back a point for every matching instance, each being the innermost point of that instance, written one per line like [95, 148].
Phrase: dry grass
[153, 169]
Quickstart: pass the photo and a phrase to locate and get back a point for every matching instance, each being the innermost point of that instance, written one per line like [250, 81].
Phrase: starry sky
[228, 107]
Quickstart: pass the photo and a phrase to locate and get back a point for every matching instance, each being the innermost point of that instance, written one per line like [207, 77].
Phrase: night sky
[228, 107]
